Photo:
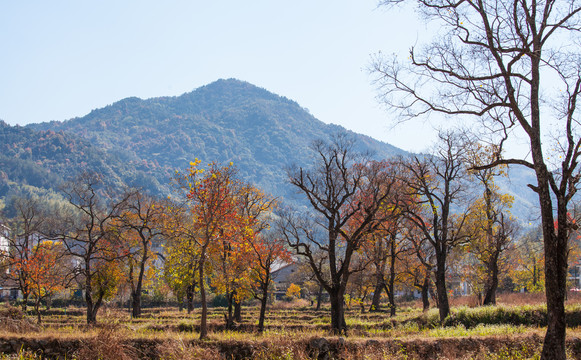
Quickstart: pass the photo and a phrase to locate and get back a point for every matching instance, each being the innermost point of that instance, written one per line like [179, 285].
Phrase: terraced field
[293, 331]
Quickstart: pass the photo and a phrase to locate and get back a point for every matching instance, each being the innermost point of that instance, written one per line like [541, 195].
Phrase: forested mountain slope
[228, 120]
[44, 159]
[143, 142]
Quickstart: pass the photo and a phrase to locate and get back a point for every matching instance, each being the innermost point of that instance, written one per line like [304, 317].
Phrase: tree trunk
[204, 316]
[426, 293]
[24, 302]
[443, 305]
[554, 343]
[556, 284]
[434, 295]
[91, 313]
[93, 308]
[262, 315]
[229, 321]
[237, 311]
[379, 286]
[136, 303]
[389, 287]
[319, 297]
[391, 282]
[190, 298]
[37, 309]
[264, 300]
[491, 263]
[338, 325]
[492, 282]
[180, 300]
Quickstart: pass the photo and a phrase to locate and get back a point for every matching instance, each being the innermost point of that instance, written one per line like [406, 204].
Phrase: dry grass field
[512, 330]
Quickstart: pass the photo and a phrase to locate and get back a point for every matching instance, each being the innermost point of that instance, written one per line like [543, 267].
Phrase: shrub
[219, 301]
[293, 291]
[186, 327]
[178, 349]
[108, 344]
[14, 320]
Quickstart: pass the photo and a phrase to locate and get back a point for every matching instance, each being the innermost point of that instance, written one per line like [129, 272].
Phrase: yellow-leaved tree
[490, 226]
[209, 196]
[293, 291]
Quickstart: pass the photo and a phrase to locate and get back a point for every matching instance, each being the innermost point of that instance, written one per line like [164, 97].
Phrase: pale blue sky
[61, 59]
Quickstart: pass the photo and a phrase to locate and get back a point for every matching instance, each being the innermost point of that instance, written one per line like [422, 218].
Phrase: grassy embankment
[512, 330]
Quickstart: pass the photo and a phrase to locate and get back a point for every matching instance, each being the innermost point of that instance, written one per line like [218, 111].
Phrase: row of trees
[381, 217]
[217, 233]
[368, 226]
[91, 241]
[221, 226]
[513, 68]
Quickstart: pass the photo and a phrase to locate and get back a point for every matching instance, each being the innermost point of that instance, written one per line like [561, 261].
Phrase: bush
[293, 291]
[495, 315]
[178, 349]
[14, 320]
[186, 327]
[108, 344]
[219, 301]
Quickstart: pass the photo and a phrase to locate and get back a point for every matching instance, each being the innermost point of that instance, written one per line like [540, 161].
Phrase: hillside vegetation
[143, 142]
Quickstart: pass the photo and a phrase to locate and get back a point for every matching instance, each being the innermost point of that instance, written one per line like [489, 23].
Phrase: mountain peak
[233, 90]
[227, 120]
[142, 142]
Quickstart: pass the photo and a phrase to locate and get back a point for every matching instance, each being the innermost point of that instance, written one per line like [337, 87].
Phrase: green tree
[527, 262]
[181, 255]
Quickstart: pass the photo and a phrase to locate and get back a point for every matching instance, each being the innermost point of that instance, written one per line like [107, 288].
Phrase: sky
[62, 59]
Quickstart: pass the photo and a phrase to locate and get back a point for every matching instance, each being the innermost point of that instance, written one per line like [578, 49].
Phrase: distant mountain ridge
[228, 120]
[43, 159]
[143, 142]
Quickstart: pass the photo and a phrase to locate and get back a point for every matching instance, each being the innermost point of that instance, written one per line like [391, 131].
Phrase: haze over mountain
[142, 142]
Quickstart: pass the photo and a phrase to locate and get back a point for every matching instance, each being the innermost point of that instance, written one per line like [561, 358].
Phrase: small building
[574, 279]
[4, 244]
[283, 276]
[9, 290]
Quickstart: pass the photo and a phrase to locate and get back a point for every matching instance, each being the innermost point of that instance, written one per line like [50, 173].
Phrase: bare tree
[87, 233]
[385, 250]
[438, 183]
[141, 224]
[490, 62]
[336, 188]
